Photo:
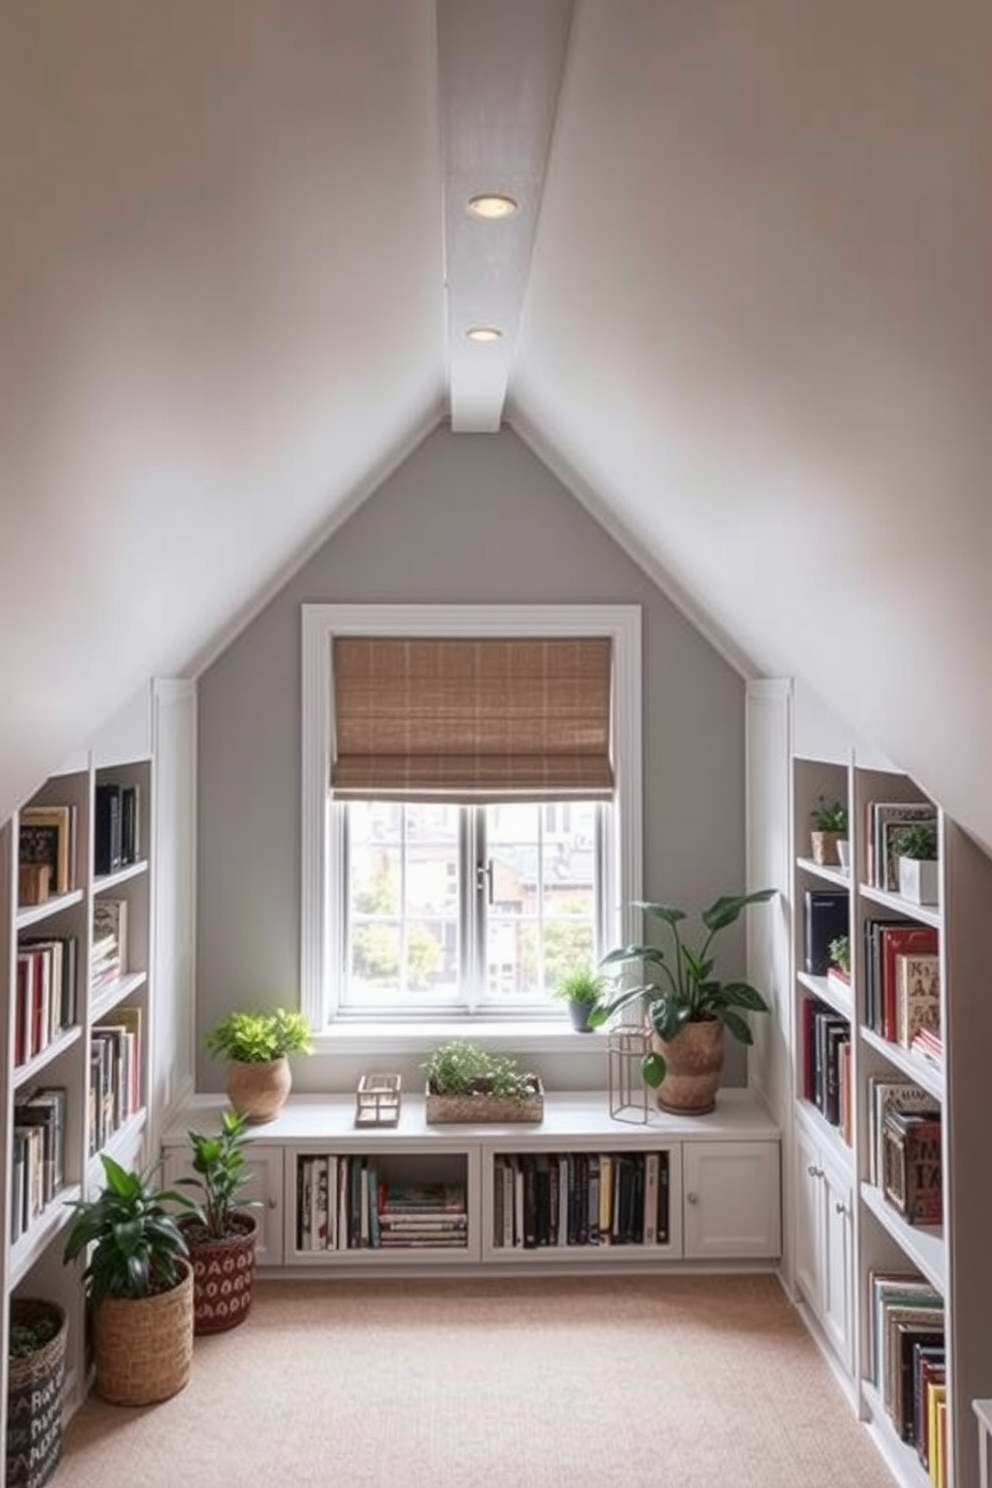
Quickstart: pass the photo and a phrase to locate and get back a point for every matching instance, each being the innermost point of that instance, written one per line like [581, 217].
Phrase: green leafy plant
[258, 1038]
[918, 840]
[136, 1239]
[583, 985]
[678, 986]
[461, 1068]
[221, 1176]
[840, 954]
[829, 816]
[26, 1339]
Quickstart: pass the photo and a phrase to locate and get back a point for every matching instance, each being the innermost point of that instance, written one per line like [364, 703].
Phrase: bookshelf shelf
[920, 1071]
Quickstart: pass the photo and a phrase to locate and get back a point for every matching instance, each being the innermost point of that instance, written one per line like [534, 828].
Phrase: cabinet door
[810, 1223]
[263, 1164]
[732, 1207]
[838, 1267]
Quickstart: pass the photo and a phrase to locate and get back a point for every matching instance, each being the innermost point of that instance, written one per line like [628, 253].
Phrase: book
[887, 1092]
[110, 931]
[826, 917]
[896, 940]
[45, 837]
[917, 995]
[911, 1165]
[107, 842]
[911, 1336]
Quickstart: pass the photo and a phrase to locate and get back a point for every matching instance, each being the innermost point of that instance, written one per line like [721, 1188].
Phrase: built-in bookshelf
[76, 937]
[578, 1190]
[892, 1112]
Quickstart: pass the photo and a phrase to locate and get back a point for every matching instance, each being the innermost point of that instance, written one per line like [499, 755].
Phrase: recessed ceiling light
[492, 205]
[483, 333]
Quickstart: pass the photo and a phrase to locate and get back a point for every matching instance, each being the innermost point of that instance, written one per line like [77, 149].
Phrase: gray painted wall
[467, 518]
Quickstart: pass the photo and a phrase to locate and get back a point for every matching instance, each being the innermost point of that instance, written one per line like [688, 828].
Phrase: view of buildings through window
[450, 905]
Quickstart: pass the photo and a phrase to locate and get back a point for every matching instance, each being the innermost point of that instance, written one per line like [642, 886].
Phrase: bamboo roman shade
[471, 720]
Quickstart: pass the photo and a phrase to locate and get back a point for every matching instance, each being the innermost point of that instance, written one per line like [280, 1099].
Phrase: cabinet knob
[272, 1204]
[814, 1171]
[692, 1198]
[840, 1207]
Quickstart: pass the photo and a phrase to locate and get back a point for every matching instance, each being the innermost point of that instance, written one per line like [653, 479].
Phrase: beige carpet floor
[552, 1382]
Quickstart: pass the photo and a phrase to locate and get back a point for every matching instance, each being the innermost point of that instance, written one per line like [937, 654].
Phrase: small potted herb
[914, 848]
[828, 829]
[256, 1046]
[580, 989]
[840, 960]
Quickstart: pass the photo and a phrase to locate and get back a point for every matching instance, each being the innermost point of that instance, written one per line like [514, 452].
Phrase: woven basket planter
[34, 1399]
[223, 1273]
[473, 1109]
[143, 1346]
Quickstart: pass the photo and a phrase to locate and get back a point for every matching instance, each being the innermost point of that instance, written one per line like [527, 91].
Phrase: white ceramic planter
[919, 880]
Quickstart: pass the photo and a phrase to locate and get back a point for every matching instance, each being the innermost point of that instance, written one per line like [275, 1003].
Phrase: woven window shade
[471, 720]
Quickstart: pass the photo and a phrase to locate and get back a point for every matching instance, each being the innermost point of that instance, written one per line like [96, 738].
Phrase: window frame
[321, 910]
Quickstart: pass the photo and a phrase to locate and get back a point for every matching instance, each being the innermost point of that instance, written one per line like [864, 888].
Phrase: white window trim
[321, 622]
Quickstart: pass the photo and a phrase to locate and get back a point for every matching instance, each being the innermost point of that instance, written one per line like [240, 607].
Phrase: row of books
[904, 1153]
[906, 1328]
[826, 1063]
[580, 1198]
[45, 993]
[901, 978]
[342, 1204]
[38, 1153]
[108, 944]
[114, 1074]
[883, 819]
[116, 835]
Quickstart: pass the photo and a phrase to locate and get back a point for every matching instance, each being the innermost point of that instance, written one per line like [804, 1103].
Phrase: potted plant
[256, 1046]
[468, 1083]
[828, 829]
[686, 1008]
[35, 1377]
[220, 1233]
[915, 850]
[839, 968]
[580, 989]
[140, 1286]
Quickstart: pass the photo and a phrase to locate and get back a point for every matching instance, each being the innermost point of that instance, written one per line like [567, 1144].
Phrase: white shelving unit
[31, 1253]
[724, 1191]
[845, 1226]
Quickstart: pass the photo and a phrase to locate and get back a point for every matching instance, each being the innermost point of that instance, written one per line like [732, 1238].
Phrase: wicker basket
[473, 1109]
[143, 1346]
[223, 1273]
[34, 1399]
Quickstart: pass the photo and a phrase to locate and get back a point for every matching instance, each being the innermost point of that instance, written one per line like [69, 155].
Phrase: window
[421, 901]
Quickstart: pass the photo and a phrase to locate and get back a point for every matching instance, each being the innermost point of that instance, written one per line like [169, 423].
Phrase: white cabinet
[731, 1206]
[824, 1261]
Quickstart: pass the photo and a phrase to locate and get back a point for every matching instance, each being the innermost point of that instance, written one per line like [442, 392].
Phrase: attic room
[734, 379]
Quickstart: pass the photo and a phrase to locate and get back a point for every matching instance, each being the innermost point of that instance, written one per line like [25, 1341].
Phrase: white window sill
[553, 1036]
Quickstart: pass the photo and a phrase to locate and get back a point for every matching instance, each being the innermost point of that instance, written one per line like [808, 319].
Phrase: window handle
[484, 879]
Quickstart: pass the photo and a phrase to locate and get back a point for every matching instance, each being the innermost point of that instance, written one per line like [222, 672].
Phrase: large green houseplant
[256, 1046]
[140, 1285]
[219, 1230]
[686, 1007]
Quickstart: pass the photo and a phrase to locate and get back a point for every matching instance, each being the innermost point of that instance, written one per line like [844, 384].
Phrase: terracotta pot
[223, 1272]
[143, 1346]
[259, 1090]
[694, 1063]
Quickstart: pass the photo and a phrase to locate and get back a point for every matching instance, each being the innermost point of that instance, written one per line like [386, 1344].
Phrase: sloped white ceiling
[754, 326]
